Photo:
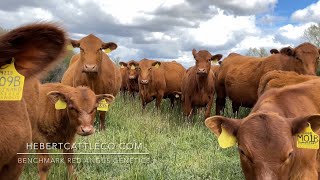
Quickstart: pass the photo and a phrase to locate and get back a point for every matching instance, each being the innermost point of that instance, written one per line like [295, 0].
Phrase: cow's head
[133, 70]
[81, 107]
[305, 58]
[91, 51]
[123, 67]
[145, 70]
[203, 61]
[267, 144]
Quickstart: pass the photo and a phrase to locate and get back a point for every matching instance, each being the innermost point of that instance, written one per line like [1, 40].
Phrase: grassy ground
[177, 149]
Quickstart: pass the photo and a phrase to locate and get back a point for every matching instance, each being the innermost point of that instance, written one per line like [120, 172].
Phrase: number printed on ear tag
[11, 83]
[307, 139]
[103, 105]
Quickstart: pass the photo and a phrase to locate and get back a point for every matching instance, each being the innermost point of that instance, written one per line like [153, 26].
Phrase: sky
[169, 29]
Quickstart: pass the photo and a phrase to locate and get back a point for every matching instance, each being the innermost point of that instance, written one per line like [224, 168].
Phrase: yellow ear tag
[60, 105]
[307, 139]
[11, 83]
[122, 66]
[69, 47]
[214, 61]
[157, 65]
[225, 139]
[133, 67]
[108, 50]
[103, 105]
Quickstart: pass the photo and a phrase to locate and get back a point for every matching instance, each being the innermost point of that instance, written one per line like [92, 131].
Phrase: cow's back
[278, 79]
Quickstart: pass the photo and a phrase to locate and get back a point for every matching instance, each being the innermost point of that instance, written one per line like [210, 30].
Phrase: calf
[61, 125]
[198, 83]
[278, 79]
[35, 48]
[267, 137]
[239, 76]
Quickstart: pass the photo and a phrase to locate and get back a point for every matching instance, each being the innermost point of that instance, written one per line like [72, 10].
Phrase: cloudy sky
[170, 29]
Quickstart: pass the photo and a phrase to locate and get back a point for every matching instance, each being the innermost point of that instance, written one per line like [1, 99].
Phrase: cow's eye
[297, 58]
[149, 69]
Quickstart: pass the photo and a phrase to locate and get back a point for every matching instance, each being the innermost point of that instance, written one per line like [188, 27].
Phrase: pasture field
[177, 149]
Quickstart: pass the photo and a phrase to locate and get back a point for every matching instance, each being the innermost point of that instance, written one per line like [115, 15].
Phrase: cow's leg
[143, 102]
[158, 100]
[221, 98]
[13, 169]
[68, 160]
[102, 119]
[44, 164]
[208, 107]
[187, 108]
[172, 101]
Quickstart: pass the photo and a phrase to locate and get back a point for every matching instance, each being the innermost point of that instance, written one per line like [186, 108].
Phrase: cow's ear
[216, 57]
[108, 97]
[74, 43]
[111, 45]
[300, 123]
[34, 47]
[54, 96]
[194, 53]
[156, 64]
[133, 62]
[274, 51]
[216, 123]
[289, 51]
[123, 64]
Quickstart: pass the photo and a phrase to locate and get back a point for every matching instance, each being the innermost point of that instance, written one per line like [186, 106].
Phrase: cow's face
[91, 51]
[133, 70]
[305, 58]
[203, 61]
[81, 107]
[145, 68]
[267, 144]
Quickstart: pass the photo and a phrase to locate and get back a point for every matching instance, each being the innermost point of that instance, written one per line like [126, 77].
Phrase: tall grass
[177, 149]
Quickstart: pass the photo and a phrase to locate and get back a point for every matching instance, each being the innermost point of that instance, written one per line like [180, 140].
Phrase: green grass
[178, 149]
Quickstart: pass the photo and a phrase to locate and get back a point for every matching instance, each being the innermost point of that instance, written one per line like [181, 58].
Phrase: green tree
[261, 52]
[312, 34]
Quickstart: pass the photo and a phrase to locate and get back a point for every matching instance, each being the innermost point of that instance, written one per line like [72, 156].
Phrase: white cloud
[266, 42]
[293, 32]
[24, 15]
[126, 11]
[308, 14]
[221, 28]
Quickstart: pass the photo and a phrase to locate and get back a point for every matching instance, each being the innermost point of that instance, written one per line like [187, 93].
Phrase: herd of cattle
[282, 89]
